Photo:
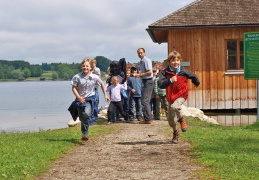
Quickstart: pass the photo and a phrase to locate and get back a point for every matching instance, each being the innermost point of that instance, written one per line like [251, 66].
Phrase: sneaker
[127, 120]
[175, 137]
[139, 119]
[85, 138]
[145, 122]
[118, 120]
[109, 122]
[183, 123]
[131, 118]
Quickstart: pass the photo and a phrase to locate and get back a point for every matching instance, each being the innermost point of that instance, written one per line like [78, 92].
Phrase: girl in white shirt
[115, 90]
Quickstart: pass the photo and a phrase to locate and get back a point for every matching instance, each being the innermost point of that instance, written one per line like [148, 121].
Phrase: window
[235, 55]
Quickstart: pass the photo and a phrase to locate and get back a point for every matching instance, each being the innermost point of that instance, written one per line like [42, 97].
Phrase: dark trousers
[113, 106]
[147, 90]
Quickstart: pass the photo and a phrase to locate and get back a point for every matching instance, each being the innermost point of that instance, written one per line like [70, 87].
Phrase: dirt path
[136, 152]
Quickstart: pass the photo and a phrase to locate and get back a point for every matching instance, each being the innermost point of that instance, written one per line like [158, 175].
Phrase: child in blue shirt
[134, 87]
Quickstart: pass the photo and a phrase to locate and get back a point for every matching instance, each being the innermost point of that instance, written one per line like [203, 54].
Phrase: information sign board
[251, 55]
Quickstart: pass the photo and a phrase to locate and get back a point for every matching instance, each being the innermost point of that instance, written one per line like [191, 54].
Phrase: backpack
[115, 69]
[118, 68]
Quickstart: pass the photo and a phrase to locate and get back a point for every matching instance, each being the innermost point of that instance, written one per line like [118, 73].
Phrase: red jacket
[177, 89]
[180, 87]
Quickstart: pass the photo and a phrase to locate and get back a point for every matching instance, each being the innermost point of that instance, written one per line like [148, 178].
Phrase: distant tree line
[19, 69]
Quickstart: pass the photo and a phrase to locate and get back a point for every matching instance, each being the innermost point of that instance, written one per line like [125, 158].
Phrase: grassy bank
[225, 152]
[26, 155]
[47, 75]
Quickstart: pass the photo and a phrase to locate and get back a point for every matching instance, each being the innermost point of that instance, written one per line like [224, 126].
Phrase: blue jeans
[84, 116]
[96, 96]
[125, 102]
[137, 102]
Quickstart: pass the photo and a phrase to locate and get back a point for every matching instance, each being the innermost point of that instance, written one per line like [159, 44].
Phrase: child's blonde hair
[92, 62]
[114, 79]
[173, 55]
[85, 60]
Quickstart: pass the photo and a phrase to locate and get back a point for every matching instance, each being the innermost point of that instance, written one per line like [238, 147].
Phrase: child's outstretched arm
[193, 77]
[107, 99]
[196, 81]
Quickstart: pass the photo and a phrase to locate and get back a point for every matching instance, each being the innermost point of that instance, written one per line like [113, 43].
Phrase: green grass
[8, 80]
[225, 152]
[46, 74]
[27, 155]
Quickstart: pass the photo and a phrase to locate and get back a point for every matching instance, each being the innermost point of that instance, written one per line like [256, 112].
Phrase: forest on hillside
[20, 69]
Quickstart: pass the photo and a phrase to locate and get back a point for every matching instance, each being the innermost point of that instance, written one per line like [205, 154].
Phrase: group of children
[129, 96]
[170, 92]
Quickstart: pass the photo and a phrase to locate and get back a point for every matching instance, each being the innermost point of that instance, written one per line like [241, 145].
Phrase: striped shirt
[158, 91]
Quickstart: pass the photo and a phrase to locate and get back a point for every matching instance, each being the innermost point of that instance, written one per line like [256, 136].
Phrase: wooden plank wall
[220, 69]
[206, 51]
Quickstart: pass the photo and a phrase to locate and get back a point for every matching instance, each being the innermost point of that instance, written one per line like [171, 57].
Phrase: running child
[174, 80]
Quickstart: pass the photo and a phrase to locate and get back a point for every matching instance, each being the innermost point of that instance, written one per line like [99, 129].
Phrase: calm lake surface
[36, 105]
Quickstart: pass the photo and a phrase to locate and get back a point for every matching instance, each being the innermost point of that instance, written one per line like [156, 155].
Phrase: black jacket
[164, 82]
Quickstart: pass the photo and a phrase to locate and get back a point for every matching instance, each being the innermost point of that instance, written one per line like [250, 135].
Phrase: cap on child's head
[133, 68]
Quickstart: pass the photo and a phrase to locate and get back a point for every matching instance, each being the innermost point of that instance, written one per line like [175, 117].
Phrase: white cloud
[67, 31]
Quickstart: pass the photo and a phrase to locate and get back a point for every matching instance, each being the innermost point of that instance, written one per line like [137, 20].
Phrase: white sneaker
[108, 123]
[73, 123]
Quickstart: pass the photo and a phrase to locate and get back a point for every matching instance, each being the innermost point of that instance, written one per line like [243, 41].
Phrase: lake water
[42, 105]
[36, 105]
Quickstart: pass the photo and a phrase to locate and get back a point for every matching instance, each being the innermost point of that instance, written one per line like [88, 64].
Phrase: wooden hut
[209, 36]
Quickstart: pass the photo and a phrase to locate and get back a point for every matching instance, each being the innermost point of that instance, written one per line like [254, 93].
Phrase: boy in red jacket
[174, 80]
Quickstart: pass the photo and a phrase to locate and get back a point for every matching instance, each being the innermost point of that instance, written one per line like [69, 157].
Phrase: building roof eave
[151, 28]
[151, 34]
[158, 34]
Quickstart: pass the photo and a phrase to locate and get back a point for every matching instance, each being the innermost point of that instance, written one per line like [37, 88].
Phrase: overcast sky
[67, 31]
